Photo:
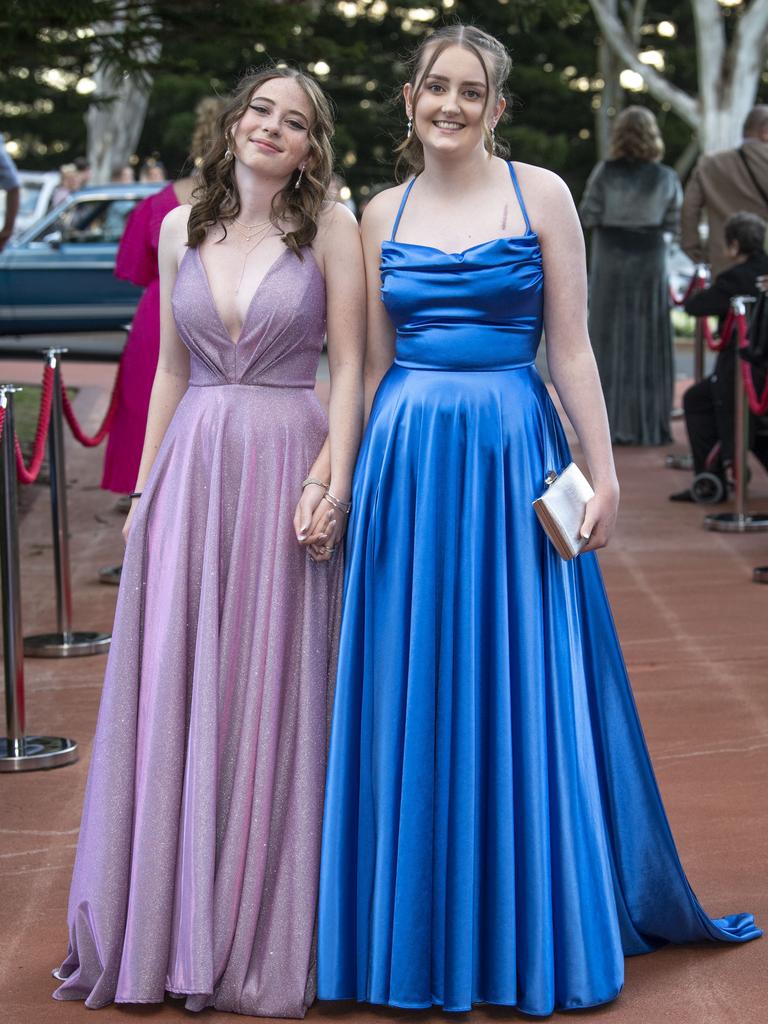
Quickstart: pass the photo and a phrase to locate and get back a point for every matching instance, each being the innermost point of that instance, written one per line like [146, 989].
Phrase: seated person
[708, 405]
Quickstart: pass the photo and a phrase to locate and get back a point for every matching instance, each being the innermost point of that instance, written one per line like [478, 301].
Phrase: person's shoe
[110, 574]
[686, 495]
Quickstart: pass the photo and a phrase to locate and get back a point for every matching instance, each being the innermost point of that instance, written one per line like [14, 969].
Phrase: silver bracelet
[313, 480]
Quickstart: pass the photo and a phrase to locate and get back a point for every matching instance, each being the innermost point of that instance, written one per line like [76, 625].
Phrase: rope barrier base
[760, 574]
[34, 753]
[66, 645]
[733, 522]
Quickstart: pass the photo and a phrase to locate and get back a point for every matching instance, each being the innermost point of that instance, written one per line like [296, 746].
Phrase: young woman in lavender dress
[197, 865]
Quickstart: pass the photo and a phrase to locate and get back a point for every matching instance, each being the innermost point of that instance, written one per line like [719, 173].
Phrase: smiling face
[272, 136]
[451, 105]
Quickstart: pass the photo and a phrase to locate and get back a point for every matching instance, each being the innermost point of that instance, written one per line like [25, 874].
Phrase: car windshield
[90, 220]
[30, 191]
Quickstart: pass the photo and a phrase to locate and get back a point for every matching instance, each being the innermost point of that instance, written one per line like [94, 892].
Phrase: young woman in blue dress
[493, 831]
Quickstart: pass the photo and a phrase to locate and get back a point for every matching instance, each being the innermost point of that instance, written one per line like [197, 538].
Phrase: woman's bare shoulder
[540, 179]
[546, 196]
[176, 220]
[173, 232]
[334, 216]
[177, 217]
[379, 215]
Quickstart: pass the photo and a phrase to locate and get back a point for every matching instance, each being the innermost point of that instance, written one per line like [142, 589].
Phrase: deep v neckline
[249, 307]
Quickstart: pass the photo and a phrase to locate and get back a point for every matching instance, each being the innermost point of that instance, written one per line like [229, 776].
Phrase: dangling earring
[301, 175]
[229, 155]
[493, 137]
[409, 133]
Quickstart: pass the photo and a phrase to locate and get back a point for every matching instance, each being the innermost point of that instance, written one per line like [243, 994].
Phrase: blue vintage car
[59, 274]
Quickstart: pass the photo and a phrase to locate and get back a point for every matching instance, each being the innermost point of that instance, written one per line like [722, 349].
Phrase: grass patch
[26, 406]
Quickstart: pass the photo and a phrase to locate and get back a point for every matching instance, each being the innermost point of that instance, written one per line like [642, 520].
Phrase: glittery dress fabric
[137, 262]
[493, 831]
[197, 866]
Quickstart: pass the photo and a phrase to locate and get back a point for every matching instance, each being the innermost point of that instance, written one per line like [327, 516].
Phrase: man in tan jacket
[731, 181]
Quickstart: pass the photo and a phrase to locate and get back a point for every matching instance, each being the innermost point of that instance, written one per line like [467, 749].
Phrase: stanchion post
[739, 521]
[684, 460]
[59, 517]
[11, 585]
[740, 434]
[65, 642]
[18, 752]
[699, 341]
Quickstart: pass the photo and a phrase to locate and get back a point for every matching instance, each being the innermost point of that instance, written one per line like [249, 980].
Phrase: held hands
[319, 526]
[600, 517]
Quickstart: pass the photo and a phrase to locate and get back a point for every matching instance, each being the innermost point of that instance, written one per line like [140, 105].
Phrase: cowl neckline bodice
[479, 308]
[530, 237]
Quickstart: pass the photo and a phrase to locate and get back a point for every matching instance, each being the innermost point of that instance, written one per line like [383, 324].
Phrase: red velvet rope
[695, 284]
[28, 474]
[106, 426]
[725, 334]
[2, 421]
[758, 404]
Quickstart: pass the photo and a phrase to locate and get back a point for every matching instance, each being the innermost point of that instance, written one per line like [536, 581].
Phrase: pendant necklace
[249, 231]
[266, 233]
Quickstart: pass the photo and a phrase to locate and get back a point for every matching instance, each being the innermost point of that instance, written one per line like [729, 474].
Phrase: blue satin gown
[493, 830]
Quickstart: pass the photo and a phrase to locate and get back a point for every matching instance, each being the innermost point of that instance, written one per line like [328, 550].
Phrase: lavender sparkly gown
[197, 865]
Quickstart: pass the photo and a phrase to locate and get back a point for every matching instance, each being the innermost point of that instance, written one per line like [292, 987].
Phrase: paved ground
[693, 630]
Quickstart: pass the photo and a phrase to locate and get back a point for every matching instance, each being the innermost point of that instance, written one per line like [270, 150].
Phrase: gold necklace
[249, 230]
[265, 234]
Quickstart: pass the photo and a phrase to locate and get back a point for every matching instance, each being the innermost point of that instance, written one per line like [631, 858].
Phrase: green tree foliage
[43, 54]
[358, 50]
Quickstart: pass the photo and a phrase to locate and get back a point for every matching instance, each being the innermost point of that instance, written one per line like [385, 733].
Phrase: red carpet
[695, 637]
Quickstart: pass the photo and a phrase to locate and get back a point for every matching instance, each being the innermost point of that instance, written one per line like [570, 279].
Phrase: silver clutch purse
[561, 507]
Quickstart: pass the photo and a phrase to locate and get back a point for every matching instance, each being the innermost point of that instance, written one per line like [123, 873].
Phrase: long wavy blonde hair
[495, 62]
[217, 200]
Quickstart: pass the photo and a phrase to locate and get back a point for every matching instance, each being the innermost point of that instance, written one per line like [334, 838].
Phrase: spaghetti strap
[519, 195]
[403, 201]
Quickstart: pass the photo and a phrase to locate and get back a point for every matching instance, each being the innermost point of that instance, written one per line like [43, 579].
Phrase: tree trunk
[728, 76]
[610, 68]
[686, 160]
[611, 98]
[115, 118]
[612, 95]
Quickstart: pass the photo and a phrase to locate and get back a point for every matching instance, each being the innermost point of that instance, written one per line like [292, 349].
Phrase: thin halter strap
[412, 182]
[403, 201]
[519, 195]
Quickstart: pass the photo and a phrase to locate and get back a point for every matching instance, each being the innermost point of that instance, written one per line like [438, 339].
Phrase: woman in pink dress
[137, 262]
